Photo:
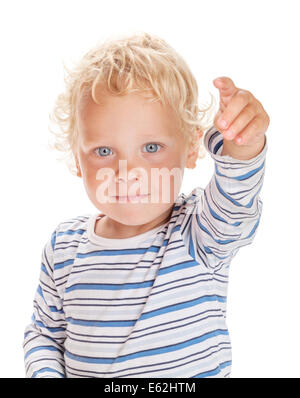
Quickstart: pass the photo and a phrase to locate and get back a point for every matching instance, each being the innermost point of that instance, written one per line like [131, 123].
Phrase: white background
[256, 43]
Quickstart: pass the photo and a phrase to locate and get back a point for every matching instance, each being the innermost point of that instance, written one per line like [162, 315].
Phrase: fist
[241, 118]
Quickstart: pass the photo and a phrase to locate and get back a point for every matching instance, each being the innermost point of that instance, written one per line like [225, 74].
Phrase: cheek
[89, 175]
[174, 162]
[167, 177]
[89, 166]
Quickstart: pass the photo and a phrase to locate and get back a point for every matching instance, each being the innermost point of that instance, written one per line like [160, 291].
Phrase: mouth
[130, 198]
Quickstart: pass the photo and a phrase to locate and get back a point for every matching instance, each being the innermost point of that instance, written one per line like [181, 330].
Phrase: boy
[139, 290]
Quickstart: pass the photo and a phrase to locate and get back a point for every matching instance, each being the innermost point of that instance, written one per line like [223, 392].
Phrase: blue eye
[152, 147]
[102, 150]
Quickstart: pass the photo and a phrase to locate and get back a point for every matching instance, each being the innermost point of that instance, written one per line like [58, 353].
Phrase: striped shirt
[153, 305]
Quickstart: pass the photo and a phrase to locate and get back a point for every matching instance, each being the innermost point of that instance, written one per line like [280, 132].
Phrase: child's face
[143, 136]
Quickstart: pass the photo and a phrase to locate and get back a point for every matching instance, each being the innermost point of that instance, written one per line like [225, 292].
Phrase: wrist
[242, 152]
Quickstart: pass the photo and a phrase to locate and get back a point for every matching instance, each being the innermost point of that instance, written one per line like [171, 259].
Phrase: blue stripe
[63, 264]
[214, 371]
[41, 347]
[177, 267]
[191, 247]
[43, 268]
[121, 252]
[147, 315]
[154, 351]
[176, 228]
[242, 176]
[43, 370]
[53, 239]
[51, 329]
[54, 309]
[40, 292]
[180, 306]
[101, 324]
[253, 229]
[109, 286]
[71, 232]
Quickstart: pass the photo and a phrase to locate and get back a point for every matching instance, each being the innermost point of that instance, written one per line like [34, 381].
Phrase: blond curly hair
[140, 62]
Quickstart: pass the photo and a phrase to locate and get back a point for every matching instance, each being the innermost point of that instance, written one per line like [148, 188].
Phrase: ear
[78, 167]
[193, 152]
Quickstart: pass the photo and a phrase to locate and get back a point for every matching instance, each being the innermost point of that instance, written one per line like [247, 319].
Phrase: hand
[245, 118]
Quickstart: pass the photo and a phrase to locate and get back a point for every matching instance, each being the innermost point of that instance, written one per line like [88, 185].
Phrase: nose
[126, 177]
[125, 172]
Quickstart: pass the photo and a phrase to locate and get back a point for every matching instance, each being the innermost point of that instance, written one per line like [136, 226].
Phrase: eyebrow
[156, 137]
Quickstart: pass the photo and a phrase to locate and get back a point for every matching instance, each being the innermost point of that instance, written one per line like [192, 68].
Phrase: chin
[135, 214]
[131, 217]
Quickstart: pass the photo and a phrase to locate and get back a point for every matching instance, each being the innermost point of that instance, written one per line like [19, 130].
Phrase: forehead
[120, 113]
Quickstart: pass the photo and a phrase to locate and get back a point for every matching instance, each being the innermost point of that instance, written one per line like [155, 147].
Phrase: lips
[131, 197]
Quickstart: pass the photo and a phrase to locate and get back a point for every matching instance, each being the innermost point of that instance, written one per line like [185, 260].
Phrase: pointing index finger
[225, 86]
[227, 90]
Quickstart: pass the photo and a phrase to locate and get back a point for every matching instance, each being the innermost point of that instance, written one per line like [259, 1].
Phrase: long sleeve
[229, 209]
[45, 335]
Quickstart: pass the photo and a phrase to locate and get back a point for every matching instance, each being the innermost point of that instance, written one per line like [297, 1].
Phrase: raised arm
[229, 208]
[228, 211]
